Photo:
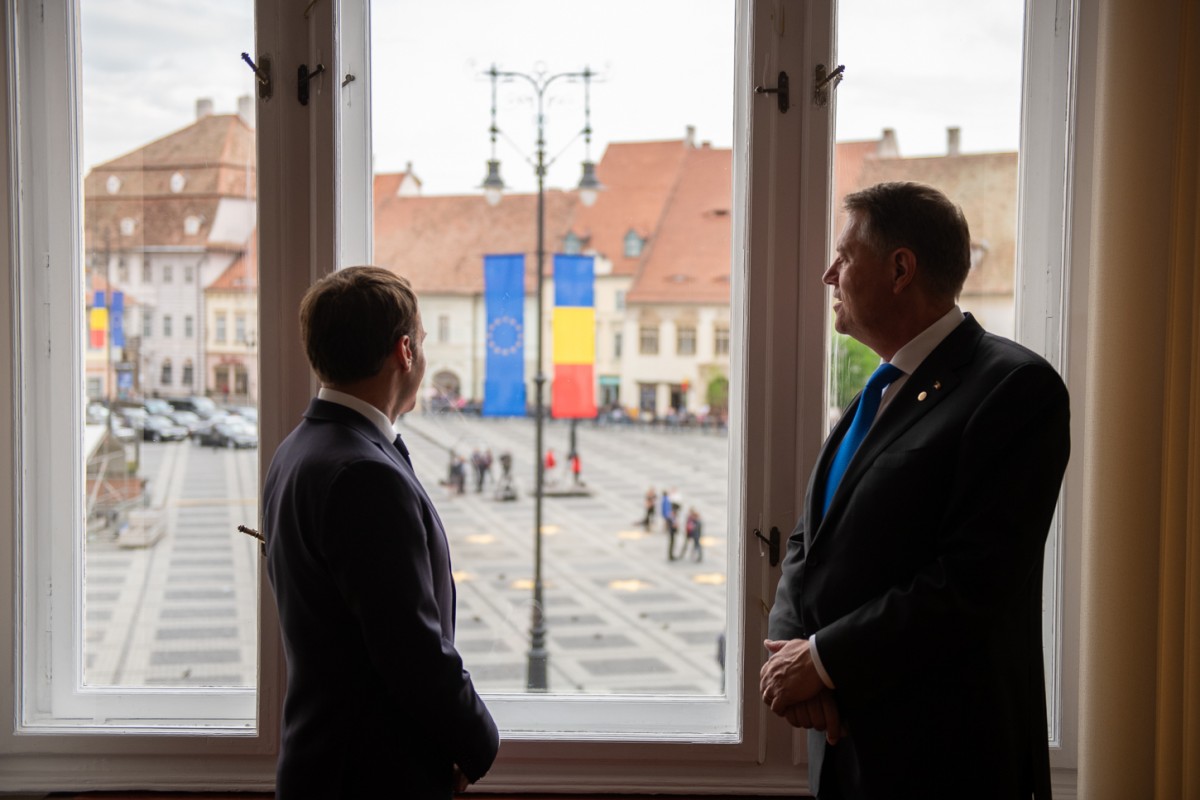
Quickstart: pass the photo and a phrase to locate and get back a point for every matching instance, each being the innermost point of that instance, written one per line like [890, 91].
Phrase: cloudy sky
[917, 66]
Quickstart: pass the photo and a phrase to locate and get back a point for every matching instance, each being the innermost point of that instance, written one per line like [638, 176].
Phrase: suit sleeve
[988, 544]
[380, 559]
[784, 621]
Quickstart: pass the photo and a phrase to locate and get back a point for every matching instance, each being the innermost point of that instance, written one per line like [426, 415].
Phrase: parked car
[204, 407]
[156, 405]
[188, 419]
[158, 428]
[245, 412]
[228, 432]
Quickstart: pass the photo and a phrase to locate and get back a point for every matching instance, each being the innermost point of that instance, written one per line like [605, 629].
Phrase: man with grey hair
[906, 629]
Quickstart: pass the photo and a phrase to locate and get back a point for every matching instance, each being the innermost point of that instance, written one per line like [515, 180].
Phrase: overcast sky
[917, 66]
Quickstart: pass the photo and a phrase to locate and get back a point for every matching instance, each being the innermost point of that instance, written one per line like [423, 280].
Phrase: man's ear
[903, 263]
[404, 352]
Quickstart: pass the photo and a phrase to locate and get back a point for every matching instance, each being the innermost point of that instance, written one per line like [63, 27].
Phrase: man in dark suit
[906, 630]
[378, 703]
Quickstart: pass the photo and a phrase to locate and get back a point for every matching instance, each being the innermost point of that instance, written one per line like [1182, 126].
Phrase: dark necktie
[868, 406]
[399, 442]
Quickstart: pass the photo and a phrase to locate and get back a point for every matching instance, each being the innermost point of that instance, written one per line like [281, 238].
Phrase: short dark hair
[351, 320]
[921, 218]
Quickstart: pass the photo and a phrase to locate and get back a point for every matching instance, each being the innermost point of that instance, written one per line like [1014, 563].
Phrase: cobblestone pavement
[620, 618]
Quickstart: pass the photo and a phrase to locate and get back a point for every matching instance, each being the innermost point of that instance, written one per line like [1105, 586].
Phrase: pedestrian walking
[671, 521]
[576, 467]
[651, 499]
[692, 529]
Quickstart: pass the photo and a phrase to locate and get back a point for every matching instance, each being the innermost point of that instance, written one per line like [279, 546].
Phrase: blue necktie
[402, 448]
[868, 406]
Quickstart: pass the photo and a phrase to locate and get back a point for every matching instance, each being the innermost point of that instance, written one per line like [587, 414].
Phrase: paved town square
[620, 617]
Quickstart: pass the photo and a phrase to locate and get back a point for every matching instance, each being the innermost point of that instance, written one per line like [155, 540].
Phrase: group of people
[574, 464]
[905, 635]
[670, 507]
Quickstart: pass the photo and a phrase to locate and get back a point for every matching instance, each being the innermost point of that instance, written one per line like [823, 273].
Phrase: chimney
[888, 146]
[689, 139]
[953, 136]
[204, 107]
[246, 109]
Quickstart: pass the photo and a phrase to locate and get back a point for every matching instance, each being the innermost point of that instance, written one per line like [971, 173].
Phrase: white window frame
[781, 164]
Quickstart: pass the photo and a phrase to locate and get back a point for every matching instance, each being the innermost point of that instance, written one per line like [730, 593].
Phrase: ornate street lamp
[493, 188]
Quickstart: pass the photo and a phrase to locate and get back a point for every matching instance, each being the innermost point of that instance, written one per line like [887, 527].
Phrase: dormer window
[633, 245]
[191, 225]
[572, 244]
[128, 226]
[113, 184]
[178, 182]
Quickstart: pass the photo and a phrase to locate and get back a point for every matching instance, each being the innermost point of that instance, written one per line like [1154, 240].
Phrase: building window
[168, 273]
[239, 328]
[685, 342]
[619, 300]
[147, 272]
[166, 326]
[147, 323]
[443, 328]
[220, 327]
[186, 378]
[187, 327]
[122, 271]
[165, 375]
[178, 182]
[649, 340]
[721, 341]
[128, 226]
[191, 225]
[633, 245]
[617, 344]
[113, 184]
[189, 274]
[572, 244]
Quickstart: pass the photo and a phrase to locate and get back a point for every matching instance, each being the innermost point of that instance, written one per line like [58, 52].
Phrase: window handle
[772, 544]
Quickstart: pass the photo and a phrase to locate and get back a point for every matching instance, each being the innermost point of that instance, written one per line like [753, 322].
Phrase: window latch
[825, 82]
[303, 76]
[780, 90]
[772, 544]
[262, 71]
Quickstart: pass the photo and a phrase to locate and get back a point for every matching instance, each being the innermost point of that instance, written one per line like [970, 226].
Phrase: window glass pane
[619, 615]
[169, 588]
[959, 134]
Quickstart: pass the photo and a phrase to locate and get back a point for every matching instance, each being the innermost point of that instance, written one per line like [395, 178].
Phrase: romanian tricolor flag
[98, 322]
[573, 394]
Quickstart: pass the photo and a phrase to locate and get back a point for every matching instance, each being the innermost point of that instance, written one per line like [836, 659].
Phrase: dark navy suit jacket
[923, 581]
[378, 703]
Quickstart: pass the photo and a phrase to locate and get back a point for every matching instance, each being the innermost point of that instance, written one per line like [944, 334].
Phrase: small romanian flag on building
[98, 322]
[573, 394]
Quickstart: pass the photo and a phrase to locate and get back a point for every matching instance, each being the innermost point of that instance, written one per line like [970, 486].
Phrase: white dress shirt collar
[373, 414]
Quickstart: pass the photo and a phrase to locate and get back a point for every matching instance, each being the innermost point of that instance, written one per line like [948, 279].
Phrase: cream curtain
[1140, 631]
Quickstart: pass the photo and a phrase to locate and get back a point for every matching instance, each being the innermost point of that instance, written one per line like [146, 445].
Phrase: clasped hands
[792, 687]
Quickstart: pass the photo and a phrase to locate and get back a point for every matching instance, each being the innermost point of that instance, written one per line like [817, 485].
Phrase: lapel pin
[921, 397]
[937, 384]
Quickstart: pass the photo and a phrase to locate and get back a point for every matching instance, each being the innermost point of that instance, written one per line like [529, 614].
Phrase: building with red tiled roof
[677, 320]
[231, 325]
[163, 222]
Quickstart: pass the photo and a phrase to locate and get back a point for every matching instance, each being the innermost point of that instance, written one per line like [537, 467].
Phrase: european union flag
[504, 297]
[116, 319]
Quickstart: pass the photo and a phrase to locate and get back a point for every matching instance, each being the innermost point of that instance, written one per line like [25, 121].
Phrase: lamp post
[493, 187]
